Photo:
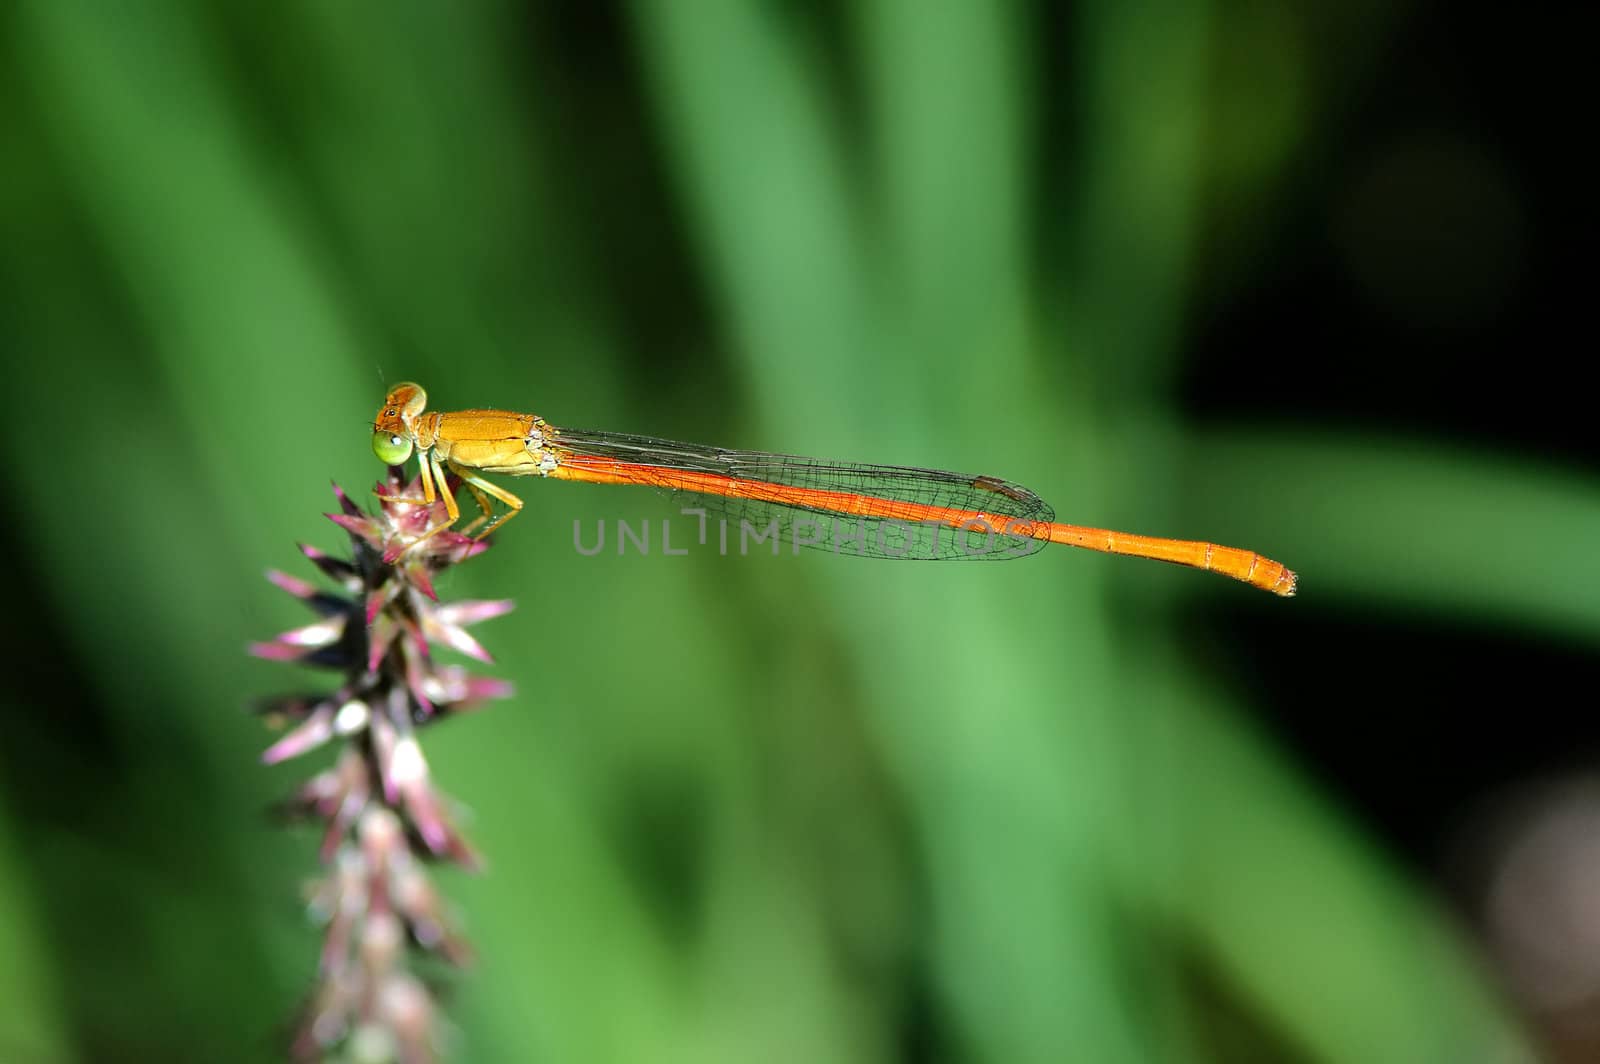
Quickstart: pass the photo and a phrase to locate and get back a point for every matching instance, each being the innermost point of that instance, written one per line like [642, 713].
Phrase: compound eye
[390, 448]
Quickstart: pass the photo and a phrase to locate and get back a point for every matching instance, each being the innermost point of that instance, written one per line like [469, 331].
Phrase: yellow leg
[427, 481]
[452, 511]
[445, 493]
[483, 504]
[481, 487]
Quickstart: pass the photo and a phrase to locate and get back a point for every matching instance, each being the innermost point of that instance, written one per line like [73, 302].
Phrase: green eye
[390, 448]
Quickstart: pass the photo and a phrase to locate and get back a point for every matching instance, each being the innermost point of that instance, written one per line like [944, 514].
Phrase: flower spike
[383, 821]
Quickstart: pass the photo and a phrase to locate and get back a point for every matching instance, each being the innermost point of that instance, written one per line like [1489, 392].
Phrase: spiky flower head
[383, 820]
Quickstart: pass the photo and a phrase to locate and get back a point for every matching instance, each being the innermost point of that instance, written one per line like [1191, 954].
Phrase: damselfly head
[393, 432]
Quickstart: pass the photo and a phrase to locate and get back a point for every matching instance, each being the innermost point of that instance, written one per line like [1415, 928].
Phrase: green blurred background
[1238, 270]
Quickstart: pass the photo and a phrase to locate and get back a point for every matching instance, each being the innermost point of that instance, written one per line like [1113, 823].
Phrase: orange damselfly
[848, 507]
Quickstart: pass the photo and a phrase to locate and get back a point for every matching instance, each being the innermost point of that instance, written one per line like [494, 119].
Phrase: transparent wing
[755, 501]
